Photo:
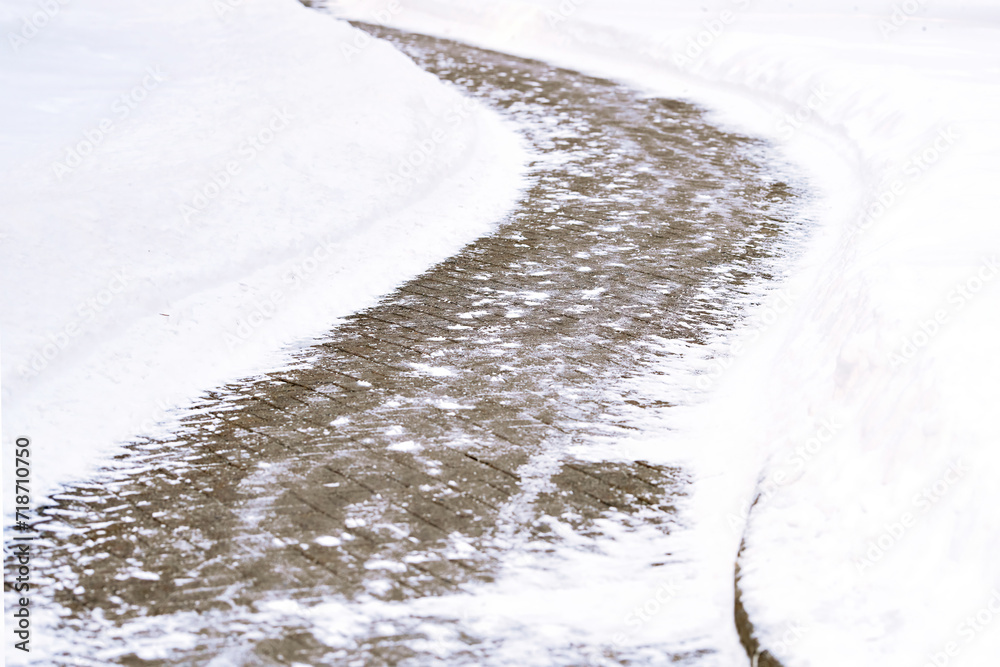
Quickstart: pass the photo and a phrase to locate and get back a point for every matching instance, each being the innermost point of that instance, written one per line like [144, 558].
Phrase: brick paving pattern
[419, 443]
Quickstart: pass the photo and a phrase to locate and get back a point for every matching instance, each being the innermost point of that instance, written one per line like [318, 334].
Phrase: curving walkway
[427, 441]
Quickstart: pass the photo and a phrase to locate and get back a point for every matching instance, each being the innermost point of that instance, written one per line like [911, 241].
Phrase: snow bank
[190, 188]
[864, 413]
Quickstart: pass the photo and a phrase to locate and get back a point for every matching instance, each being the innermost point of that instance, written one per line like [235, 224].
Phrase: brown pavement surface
[424, 440]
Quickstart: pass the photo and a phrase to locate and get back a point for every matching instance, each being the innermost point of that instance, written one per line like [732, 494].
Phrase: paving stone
[403, 454]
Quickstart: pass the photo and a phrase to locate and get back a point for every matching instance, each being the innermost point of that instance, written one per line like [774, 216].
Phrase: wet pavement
[426, 440]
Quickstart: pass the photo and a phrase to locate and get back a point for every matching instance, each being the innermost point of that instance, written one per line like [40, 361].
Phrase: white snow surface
[190, 190]
[860, 402]
[809, 408]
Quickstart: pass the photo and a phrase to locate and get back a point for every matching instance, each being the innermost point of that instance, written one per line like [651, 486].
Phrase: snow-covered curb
[759, 656]
[190, 190]
[862, 413]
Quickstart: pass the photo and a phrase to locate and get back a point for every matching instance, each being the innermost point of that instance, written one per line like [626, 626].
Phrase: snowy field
[189, 190]
[163, 233]
[859, 405]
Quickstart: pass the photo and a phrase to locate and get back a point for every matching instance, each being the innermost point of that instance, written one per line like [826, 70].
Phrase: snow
[860, 401]
[192, 190]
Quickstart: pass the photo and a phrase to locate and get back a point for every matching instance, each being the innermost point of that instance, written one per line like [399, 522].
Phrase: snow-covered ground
[190, 189]
[860, 402]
